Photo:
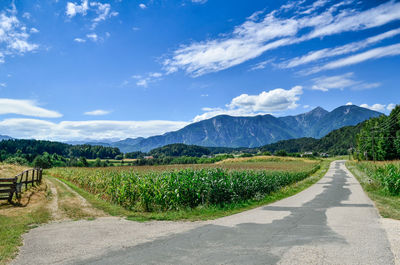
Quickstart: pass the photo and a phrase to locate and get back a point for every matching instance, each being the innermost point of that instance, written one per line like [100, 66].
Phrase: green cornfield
[181, 188]
[387, 174]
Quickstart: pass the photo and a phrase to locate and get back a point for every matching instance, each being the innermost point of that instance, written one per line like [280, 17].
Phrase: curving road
[332, 222]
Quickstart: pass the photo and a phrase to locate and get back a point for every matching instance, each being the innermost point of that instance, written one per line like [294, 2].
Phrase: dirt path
[66, 204]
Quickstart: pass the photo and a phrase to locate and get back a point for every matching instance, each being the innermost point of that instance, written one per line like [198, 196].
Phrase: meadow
[177, 187]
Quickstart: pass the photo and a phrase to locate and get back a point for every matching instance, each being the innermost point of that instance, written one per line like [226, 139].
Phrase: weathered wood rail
[11, 186]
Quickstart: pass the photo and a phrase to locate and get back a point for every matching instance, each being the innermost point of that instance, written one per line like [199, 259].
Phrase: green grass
[387, 204]
[14, 225]
[202, 212]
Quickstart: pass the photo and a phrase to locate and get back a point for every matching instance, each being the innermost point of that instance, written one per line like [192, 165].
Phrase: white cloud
[349, 103]
[199, 1]
[155, 75]
[34, 30]
[385, 51]
[390, 106]
[3, 84]
[97, 112]
[249, 105]
[79, 40]
[341, 50]
[102, 11]
[326, 83]
[26, 108]
[149, 78]
[376, 107]
[142, 6]
[14, 35]
[73, 9]
[256, 36]
[78, 130]
[142, 82]
[135, 28]
[92, 36]
[306, 106]
[27, 15]
[261, 65]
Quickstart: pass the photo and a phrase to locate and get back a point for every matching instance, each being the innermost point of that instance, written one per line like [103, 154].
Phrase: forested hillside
[337, 142]
[29, 149]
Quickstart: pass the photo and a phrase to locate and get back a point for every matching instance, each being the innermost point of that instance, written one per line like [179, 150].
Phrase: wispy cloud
[98, 112]
[144, 81]
[101, 11]
[92, 37]
[142, 6]
[199, 1]
[341, 50]
[248, 105]
[80, 40]
[256, 36]
[14, 35]
[26, 108]
[385, 51]
[326, 83]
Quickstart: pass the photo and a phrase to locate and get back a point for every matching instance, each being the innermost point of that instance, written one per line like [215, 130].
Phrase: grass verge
[15, 221]
[388, 205]
[202, 213]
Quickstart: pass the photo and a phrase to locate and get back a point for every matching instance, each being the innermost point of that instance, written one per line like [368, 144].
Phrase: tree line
[379, 138]
[20, 151]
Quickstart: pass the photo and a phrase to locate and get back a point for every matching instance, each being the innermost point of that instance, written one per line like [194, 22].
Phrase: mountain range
[249, 132]
[254, 131]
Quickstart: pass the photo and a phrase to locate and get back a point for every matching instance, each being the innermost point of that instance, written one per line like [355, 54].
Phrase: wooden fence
[11, 186]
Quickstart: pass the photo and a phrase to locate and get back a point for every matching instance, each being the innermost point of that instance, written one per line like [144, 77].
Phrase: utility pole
[373, 144]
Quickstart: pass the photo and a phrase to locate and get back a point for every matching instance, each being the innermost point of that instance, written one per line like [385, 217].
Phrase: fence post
[13, 190]
[40, 175]
[26, 180]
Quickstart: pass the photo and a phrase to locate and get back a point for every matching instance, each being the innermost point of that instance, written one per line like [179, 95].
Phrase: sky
[93, 70]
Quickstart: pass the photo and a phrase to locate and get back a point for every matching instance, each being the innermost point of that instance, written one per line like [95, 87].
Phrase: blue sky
[72, 70]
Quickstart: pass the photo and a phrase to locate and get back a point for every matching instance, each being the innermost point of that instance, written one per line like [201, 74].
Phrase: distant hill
[5, 137]
[228, 131]
[336, 142]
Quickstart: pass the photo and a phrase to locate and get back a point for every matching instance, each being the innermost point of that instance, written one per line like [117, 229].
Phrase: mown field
[381, 180]
[177, 187]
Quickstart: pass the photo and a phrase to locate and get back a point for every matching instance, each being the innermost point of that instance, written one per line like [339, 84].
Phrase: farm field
[156, 190]
[381, 180]
[9, 171]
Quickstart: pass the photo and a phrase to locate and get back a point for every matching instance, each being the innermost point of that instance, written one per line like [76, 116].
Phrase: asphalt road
[332, 222]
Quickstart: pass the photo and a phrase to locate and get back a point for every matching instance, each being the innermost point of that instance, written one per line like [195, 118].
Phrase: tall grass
[179, 189]
[386, 174]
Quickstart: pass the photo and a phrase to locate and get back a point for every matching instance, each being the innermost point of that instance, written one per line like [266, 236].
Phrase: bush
[16, 161]
[281, 153]
[42, 162]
